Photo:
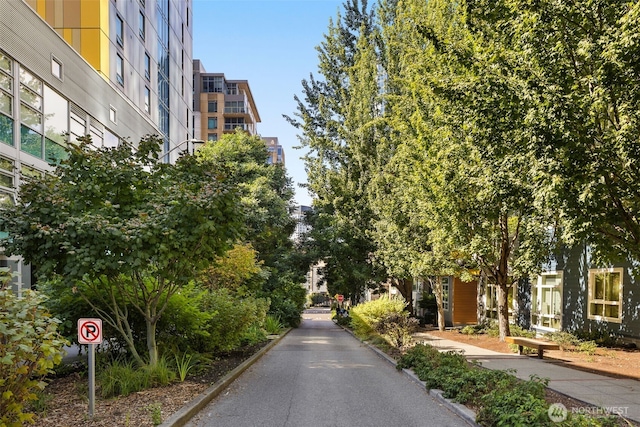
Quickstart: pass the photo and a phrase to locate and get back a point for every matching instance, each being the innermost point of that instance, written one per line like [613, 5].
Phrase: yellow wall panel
[104, 16]
[67, 35]
[90, 14]
[104, 55]
[90, 46]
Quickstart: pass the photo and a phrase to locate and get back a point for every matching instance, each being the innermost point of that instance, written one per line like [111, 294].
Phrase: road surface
[320, 375]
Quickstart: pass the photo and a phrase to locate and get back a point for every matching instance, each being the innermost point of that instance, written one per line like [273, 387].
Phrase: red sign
[89, 331]
[340, 298]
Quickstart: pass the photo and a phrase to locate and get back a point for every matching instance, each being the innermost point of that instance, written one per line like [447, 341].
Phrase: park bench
[539, 345]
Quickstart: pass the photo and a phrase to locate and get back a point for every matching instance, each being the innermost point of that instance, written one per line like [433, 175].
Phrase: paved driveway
[320, 375]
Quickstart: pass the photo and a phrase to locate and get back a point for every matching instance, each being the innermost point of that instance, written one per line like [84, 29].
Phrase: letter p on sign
[89, 331]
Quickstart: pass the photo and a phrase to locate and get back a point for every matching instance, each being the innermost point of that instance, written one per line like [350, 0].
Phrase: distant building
[302, 227]
[276, 152]
[221, 105]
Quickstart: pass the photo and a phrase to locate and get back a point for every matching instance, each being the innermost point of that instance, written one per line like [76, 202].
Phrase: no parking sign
[89, 331]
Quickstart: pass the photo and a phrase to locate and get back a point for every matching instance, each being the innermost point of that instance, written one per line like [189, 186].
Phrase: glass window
[212, 84]
[30, 172]
[147, 100]
[31, 118]
[546, 301]
[28, 80]
[212, 137]
[78, 126]
[110, 139]
[6, 165]
[212, 123]
[147, 66]
[141, 24]
[120, 69]
[6, 103]
[6, 130]
[605, 294]
[119, 31]
[234, 122]
[444, 283]
[56, 113]
[234, 107]
[113, 115]
[54, 153]
[56, 68]
[6, 82]
[212, 107]
[30, 142]
[95, 130]
[6, 180]
[5, 64]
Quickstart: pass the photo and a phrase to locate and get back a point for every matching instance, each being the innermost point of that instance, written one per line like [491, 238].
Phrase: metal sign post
[90, 333]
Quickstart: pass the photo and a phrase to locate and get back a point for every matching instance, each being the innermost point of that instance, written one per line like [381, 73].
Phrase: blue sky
[271, 44]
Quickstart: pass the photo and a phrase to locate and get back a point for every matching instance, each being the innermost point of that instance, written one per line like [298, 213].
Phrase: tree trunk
[482, 290]
[405, 287]
[503, 311]
[436, 287]
[152, 345]
[502, 278]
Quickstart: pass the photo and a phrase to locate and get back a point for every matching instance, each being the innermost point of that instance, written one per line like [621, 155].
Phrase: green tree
[462, 113]
[118, 223]
[583, 57]
[336, 121]
[266, 194]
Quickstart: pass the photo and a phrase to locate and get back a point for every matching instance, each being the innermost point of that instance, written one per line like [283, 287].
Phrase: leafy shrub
[272, 324]
[253, 335]
[565, 340]
[365, 316]
[122, 377]
[231, 318]
[523, 404]
[396, 328]
[588, 347]
[184, 365]
[30, 347]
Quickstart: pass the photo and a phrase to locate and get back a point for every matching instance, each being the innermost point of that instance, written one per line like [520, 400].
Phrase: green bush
[231, 318]
[396, 328]
[30, 347]
[365, 316]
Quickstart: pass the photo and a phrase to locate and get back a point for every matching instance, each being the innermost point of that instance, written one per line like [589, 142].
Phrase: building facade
[220, 105]
[276, 152]
[143, 48]
[49, 95]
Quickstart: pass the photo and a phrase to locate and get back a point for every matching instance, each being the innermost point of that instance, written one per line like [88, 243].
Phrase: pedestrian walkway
[617, 396]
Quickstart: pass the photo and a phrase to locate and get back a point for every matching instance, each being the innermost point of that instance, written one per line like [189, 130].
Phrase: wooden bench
[539, 345]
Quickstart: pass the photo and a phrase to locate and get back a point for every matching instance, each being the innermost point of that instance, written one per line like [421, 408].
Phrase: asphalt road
[320, 375]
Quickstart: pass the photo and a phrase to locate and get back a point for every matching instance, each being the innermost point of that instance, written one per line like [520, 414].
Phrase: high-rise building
[221, 105]
[50, 94]
[143, 48]
[276, 152]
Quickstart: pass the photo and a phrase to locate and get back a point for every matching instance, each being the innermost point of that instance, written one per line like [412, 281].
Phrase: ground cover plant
[499, 398]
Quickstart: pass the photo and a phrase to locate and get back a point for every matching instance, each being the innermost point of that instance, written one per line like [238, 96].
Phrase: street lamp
[192, 145]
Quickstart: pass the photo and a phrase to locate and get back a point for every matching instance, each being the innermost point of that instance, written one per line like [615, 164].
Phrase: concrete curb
[182, 416]
[462, 411]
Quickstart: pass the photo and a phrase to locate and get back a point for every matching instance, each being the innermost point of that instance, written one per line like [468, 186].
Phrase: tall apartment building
[48, 90]
[143, 48]
[220, 105]
[276, 152]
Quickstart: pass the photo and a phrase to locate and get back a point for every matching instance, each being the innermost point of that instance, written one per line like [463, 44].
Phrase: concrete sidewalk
[617, 396]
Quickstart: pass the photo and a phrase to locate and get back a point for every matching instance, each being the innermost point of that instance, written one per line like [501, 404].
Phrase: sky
[272, 45]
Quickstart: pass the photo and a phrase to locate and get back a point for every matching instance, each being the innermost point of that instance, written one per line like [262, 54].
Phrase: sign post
[90, 333]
